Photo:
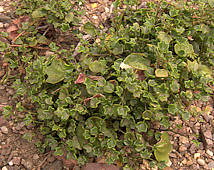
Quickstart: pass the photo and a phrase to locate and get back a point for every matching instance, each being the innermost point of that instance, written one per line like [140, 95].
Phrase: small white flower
[124, 66]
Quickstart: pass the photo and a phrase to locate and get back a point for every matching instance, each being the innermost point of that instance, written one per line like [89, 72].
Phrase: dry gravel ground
[192, 140]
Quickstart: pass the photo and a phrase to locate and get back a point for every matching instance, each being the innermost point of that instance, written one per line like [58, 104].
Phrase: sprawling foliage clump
[149, 65]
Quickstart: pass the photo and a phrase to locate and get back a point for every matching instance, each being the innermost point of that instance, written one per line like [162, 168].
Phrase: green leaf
[162, 36]
[147, 115]
[137, 61]
[89, 28]
[185, 115]
[58, 151]
[175, 86]
[204, 70]
[173, 109]
[184, 49]
[38, 13]
[142, 126]
[109, 87]
[55, 72]
[97, 67]
[117, 49]
[211, 3]
[161, 73]
[163, 148]
[69, 17]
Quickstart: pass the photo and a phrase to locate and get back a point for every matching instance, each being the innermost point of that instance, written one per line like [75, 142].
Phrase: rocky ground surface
[192, 140]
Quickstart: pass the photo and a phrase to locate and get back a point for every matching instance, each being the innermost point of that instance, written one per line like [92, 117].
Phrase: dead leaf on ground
[96, 95]
[80, 79]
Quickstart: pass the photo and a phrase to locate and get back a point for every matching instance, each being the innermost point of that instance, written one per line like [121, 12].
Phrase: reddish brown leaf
[96, 95]
[80, 79]
[11, 28]
[18, 21]
[66, 162]
[95, 77]
[140, 74]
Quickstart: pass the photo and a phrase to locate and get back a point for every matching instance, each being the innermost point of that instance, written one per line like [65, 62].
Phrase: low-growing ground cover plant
[146, 68]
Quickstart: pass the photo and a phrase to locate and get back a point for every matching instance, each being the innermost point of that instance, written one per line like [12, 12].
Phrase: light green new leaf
[161, 73]
[162, 36]
[69, 17]
[163, 148]
[55, 72]
[184, 49]
[137, 61]
[204, 70]
[97, 67]
[38, 13]
[211, 3]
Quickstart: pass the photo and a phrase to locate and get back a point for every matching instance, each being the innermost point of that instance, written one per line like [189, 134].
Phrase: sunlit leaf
[163, 148]
[97, 67]
[38, 13]
[89, 28]
[69, 17]
[161, 73]
[55, 72]
[211, 3]
[162, 36]
[137, 61]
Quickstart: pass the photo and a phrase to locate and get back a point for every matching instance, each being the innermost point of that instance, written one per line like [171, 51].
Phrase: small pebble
[1, 9]
[182, 148]
[95, 17]
[197, 155]
[183, 139]
[4, 168]
[106, 10]
[16, 160]
[201, 162]
[169, 163]
[35, 156]
[4, 129]
[1, 25]
[10, 163]
[209, 152]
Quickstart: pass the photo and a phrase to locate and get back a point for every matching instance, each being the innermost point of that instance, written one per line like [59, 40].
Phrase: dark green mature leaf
[55, 72]
[137, 61]
[175, 86]
[142, 126]
[163, 148]
[147, 115]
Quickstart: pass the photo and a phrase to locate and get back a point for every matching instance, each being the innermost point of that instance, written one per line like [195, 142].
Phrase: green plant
[146, 68]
